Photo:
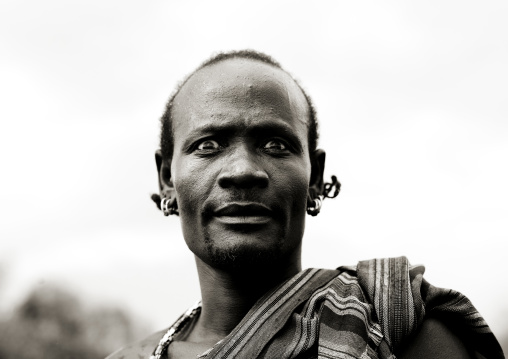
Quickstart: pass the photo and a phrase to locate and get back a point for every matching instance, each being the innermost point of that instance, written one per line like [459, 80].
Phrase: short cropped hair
[166, 136]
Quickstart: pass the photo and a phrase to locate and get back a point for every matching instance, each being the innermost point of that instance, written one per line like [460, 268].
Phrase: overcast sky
[412, 102]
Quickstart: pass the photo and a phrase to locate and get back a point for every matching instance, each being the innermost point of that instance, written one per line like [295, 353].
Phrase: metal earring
[167, 207]
[316, 207]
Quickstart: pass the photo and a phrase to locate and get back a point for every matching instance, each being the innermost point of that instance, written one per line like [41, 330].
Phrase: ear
[166, 188]
[316, 184]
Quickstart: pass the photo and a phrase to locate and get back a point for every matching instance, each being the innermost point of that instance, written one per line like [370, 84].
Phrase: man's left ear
[316, 184]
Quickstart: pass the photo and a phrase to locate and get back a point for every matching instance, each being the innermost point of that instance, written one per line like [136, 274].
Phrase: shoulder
[434, 340]
[400, 297]
[138, 350]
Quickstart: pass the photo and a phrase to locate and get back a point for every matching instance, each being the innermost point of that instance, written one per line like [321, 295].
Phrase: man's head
[241, 169]
[166, 138]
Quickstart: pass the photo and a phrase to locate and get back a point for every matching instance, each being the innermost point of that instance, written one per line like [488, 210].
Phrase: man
[239, 164]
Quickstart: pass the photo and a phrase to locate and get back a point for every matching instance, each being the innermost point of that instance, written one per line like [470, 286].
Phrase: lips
[243, 213]
[241, 210]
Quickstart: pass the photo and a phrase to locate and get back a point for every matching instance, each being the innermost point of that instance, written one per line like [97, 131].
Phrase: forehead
[240, 90]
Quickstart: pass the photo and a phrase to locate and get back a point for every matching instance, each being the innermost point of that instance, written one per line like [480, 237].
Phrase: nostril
[243, 179]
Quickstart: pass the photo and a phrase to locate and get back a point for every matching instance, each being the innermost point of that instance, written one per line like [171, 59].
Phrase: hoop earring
[316, 207]
[167, 208]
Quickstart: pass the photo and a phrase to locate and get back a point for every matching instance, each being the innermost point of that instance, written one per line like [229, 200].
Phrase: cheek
[193, 183]
[292, 179]
[191, 186]
[185, 179]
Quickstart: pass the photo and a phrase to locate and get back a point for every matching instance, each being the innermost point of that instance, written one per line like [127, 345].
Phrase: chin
[242, 256]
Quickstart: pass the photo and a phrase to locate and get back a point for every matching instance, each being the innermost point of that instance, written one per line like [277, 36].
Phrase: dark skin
[251, 175]
[242, 175]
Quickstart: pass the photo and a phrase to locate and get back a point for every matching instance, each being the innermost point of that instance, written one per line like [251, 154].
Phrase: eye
[208, 145]
[275, 145]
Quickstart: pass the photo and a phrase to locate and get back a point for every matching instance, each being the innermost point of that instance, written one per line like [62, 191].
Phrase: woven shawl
[367, 311]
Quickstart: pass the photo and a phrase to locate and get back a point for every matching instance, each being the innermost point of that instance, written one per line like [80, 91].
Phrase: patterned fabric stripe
[401, 321]
[263, 312]
[343, 281]
[335, 351]
[362, 314]
[339, 313]
[342, 306]
[347, 322]
[416, 280]
[387, 284]
[267, 316]
[402, 299]
[381, 296]
[304, 338]
[327, 292]
[347, 278]
[305, 328]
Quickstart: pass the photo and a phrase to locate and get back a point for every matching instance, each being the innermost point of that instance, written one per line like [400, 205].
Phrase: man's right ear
[166, 188]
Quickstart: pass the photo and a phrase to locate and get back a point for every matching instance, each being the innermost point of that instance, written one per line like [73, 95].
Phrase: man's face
[241, 165]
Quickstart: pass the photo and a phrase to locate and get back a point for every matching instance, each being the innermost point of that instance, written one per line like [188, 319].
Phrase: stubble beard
[238, 257]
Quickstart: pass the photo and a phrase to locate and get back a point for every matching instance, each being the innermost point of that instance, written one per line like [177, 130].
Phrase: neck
[227, 296]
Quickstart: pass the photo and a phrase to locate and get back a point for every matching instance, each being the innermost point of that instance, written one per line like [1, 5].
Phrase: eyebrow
[259, 129]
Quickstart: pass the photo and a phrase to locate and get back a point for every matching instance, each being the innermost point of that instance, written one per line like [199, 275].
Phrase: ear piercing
[331, 190]
[168, 208]
[316, 207]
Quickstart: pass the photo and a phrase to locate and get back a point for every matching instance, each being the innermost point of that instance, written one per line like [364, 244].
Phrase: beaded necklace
[174, 329]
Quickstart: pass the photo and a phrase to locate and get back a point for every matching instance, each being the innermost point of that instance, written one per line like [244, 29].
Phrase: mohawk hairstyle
[166, 136]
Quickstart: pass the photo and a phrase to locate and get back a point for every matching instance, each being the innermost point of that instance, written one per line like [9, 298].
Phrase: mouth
[243, 213]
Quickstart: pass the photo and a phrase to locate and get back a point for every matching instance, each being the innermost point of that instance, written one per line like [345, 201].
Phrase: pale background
[412, 99]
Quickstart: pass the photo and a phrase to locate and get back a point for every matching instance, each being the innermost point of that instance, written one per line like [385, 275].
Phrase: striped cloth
[367, 311]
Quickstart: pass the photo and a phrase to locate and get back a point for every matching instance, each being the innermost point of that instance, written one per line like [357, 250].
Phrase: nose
[242, 170]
